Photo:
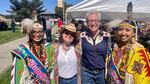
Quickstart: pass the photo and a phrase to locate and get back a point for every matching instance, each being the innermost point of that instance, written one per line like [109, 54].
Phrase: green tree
[25, 8]
[59, 11]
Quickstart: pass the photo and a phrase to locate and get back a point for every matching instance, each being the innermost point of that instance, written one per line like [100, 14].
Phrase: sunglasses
[67, 32]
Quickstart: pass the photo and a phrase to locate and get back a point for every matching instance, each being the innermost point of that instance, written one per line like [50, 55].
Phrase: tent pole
[63, 13]
[66, 20]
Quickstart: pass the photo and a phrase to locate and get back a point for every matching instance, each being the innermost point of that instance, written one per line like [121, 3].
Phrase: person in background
[129, 62]
[13, 25]
[147, 25]
[52, 22]
[48, 30]
[147, 40]
[33, 60]
[146, 36]
[80, 26]
[60, 23]
[67, 56]
[73, 21]
[43, 22]
[94, 44]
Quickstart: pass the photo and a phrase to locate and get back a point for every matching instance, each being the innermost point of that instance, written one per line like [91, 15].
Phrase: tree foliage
[24, 8]
[59, 11]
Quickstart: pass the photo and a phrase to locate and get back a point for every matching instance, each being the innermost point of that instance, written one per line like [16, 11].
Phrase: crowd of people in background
[85, 53]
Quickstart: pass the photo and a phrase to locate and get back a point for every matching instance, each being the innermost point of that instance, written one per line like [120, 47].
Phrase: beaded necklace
[39, 53]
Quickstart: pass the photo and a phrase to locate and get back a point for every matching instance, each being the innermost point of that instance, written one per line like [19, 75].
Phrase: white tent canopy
[110, 9]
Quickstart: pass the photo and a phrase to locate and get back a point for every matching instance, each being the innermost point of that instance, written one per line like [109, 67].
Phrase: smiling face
[125, 34]
[37, 33]
[93, 22]
[68, 37]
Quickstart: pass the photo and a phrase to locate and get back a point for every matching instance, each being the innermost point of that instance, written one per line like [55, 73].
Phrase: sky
[48, 4]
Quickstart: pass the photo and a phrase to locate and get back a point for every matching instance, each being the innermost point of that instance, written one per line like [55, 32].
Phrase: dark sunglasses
[67, 32]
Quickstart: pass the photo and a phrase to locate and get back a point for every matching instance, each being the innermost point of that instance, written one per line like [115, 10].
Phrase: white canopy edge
[110, 9]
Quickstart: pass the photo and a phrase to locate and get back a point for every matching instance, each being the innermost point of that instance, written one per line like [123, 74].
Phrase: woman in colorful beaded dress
[129, 62]
[33, 59]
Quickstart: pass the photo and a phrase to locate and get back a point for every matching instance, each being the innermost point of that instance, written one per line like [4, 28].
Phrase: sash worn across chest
[35, 67]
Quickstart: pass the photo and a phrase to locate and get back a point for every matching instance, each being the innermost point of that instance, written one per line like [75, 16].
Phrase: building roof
[48, 12]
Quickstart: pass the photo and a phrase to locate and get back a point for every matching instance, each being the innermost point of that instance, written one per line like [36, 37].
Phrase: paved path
[5, 49]
[5, 55]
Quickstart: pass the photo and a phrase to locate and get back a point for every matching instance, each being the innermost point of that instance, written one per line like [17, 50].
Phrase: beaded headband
[125, 24]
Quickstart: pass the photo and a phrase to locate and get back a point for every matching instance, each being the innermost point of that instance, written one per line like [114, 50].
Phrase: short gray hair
[93, 12]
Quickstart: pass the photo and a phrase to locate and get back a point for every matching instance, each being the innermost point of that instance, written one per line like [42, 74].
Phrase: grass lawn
[7, 36]
[5, 77]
